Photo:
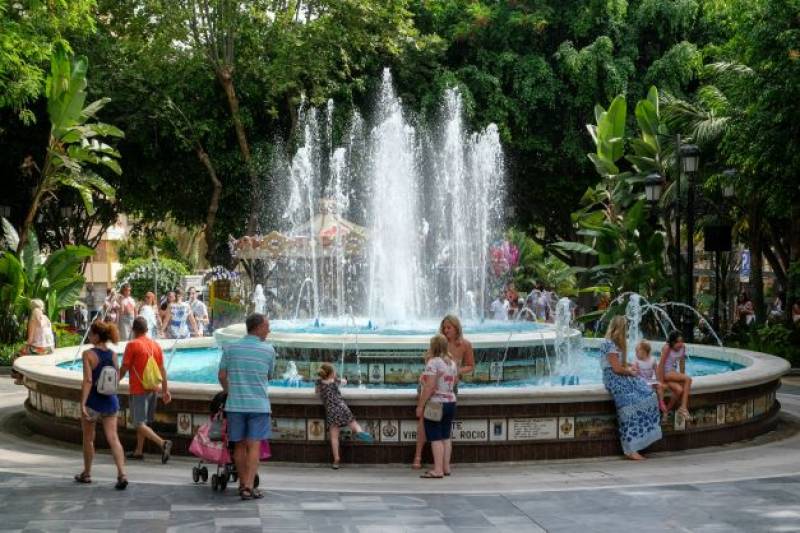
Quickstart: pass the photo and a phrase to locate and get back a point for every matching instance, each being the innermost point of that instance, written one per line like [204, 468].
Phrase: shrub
[141, 273]
[775, 339]
[65, 336]
[8, 352]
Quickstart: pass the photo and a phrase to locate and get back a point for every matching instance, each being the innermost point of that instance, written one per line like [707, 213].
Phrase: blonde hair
[455, 322]
[36, 303]
[325, 371]
[438, 348]
[617, 333]
[645, 346]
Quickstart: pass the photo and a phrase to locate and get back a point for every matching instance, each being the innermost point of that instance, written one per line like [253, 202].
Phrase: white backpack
[108, 381]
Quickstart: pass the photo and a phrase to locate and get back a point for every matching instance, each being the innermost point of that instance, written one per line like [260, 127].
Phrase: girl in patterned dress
[337, 414]
[638, 419]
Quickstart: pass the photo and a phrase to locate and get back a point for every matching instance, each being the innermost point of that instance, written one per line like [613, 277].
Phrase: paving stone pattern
[30, 503]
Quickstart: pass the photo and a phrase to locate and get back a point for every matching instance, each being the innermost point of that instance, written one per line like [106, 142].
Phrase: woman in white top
[439, 378]
[40, 339]
[148, 311]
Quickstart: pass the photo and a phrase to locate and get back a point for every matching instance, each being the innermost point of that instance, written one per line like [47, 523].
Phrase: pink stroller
[210, 444]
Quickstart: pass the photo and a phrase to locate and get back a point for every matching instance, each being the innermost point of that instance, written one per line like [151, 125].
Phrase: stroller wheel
[204, 474]
[214, 481]
[255, 481]
[195, 474]
[222, 482]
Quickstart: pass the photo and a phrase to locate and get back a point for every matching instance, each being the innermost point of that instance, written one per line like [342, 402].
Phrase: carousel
[316, 268]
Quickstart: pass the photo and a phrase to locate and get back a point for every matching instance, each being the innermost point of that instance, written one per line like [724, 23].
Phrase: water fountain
[428, 200]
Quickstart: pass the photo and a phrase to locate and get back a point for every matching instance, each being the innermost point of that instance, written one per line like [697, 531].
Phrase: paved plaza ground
[746, 487]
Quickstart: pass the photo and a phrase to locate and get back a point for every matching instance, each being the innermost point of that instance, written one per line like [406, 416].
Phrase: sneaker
[165, 451]
[134, 456]
[363, 436]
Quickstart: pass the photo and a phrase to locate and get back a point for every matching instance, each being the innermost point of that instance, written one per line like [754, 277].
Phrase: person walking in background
[111, 306]
[127, 311]
[96, 406]
[199, 311]
[500, 307]
[149, 312]
[337, 414]
[638, 418]
[143, 397]
[439, 378]
[163, 312]
[244, 371]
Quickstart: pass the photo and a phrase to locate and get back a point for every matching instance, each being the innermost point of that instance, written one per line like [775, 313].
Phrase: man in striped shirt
[244, 372]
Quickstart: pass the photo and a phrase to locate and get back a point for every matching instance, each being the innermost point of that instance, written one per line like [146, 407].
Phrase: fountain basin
[493, 423]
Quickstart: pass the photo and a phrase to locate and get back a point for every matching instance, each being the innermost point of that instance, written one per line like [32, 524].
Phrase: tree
[31, 32]
[75, 141]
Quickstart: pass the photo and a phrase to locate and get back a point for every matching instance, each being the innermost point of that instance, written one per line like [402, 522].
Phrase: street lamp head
[690, 158]
[5, 211]
[653, 187]
[728, 188]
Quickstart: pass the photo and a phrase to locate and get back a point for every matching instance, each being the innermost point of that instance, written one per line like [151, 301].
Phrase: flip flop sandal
[417, 464]
[83, 477]
[430, 475]
[447, 474]
[246, 494]
[165, 452]
[335, 466]
[257, 494]
[122, 483]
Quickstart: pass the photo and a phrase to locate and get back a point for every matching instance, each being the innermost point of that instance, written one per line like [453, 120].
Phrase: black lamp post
[689, 160]
[653, 187]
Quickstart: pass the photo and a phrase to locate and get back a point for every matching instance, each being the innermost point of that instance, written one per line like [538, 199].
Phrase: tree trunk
[225, 77]
[213, 204]
[757, 261]
[27, 224]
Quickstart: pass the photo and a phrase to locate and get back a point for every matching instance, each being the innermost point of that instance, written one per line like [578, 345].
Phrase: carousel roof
[328, 231]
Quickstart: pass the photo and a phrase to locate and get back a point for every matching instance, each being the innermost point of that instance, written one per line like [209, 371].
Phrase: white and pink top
[445, 374]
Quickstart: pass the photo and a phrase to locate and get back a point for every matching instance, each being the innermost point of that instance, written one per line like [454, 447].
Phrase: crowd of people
[171, 318]
[537, 306]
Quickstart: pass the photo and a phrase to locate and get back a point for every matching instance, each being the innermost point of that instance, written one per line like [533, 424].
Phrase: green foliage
[31, 30]
[65, 337]
[627, 250]
[226, 312]
[9, 352]
[535, 265]
[57, 281]
[775, 339]
[142, 274]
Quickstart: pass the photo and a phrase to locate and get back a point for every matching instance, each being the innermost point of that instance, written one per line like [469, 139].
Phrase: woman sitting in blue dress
[638, 417]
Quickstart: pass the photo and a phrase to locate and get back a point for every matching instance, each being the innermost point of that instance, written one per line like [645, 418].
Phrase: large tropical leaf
[574, 247]
[68, 295]
[31, 259]
[64, 263]
[10, 238]
[66, 93]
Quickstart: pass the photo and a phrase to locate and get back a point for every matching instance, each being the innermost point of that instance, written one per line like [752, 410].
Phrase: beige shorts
[94, 416]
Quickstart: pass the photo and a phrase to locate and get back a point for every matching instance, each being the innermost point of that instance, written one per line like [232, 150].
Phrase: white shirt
[500, 309]
[200, 312]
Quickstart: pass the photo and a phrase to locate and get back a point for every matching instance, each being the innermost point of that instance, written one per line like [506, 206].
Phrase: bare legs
[110, 430]
[420, 444]
[88, 445]
[246, 454]
[335, 432]
[680, 385]
[143, 431]
[442, 450]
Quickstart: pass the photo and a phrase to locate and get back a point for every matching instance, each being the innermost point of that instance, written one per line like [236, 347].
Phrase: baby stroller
[210, 444]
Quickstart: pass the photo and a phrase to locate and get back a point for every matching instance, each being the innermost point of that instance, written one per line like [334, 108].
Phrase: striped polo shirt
[249, 364]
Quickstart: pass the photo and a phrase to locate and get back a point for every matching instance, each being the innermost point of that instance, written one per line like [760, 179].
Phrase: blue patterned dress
[638, 417]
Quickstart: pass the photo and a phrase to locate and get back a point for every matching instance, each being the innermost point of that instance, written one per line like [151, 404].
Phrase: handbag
[433, 411]
[216, 429]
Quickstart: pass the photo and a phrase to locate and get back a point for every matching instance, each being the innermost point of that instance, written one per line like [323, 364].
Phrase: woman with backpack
[99, 400]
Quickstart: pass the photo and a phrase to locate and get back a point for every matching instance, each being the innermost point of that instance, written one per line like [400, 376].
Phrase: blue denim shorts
[248, 426]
